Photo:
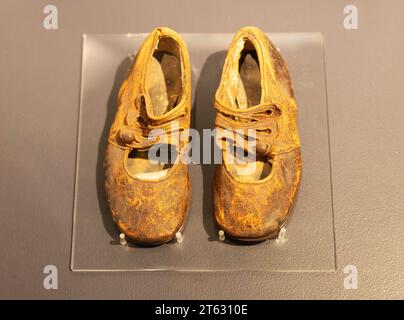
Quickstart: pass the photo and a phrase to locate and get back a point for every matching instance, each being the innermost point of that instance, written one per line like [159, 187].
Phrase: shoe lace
[262, 119]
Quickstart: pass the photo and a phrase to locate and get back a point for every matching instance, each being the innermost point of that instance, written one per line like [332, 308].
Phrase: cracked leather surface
[147, 211]
[257, 210]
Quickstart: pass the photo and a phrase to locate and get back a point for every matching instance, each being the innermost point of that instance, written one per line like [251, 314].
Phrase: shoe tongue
[234, 94]
[156, 88]
[241, 97]
[161, 101]
[161, 105]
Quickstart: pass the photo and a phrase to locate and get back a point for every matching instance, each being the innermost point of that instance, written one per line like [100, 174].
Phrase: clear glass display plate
[309, 244]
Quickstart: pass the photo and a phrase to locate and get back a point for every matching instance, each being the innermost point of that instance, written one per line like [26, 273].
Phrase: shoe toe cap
[147, 212]
[248, 211]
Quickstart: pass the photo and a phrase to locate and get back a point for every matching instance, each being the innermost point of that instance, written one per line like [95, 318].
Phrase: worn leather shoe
[253, 200]
[149, 198]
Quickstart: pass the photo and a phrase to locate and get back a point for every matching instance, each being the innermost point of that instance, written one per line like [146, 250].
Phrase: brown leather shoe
[252, 201]
[149, 200]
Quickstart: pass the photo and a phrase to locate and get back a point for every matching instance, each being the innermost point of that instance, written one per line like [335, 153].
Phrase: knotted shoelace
[261, 119]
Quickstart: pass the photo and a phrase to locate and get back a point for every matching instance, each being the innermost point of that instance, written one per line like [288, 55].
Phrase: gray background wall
[39, 95]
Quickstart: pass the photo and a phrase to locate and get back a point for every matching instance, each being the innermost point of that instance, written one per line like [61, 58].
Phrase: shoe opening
[164, 76]
[152, 164]
[247, 167]
[249, 88]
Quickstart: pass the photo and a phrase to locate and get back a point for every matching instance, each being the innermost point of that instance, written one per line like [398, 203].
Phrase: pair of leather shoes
[149, 199]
